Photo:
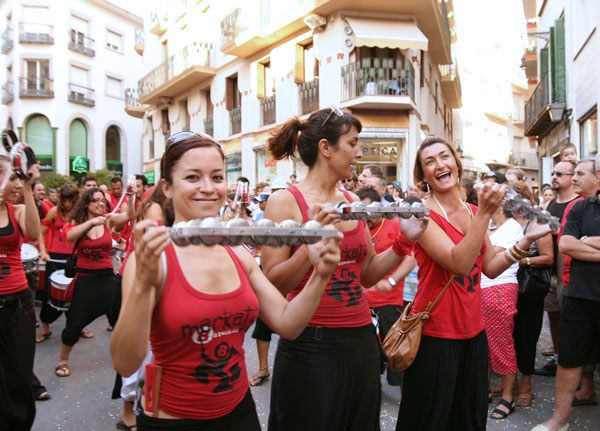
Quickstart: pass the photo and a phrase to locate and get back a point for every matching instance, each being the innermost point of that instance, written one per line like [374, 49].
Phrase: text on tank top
[458, 313]
[343, 303]
[12, 275]
[197, 339]
[95, 253]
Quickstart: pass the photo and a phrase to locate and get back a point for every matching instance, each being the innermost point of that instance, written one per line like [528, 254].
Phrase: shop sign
[79, 165]
[150, 176]
[378, 150]
[115, 168]
[270, 163]
[45, 163]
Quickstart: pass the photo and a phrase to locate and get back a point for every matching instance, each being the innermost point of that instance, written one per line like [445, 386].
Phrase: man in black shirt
[562, 183]
[580, 317]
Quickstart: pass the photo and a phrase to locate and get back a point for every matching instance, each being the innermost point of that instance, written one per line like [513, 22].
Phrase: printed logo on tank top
[471, 280]
[7, 251]
[4, 269]
[93, 254]
[344, 285]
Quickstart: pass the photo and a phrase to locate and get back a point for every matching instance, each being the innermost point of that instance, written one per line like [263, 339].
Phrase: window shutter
[229, 101]
[260, 84]
[543, 62]
[299, 65]
[560, 95]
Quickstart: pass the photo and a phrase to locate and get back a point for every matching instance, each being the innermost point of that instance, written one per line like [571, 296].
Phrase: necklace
[380, 226]
[492, 226]
[444, 211]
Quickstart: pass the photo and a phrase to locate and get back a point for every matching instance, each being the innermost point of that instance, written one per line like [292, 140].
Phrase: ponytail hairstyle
[304, 136]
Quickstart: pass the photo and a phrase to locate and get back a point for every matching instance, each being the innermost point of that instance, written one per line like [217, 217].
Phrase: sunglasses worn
[182, 136]
[559, 174]
[347, 181]
[98, 201]
[334, 110]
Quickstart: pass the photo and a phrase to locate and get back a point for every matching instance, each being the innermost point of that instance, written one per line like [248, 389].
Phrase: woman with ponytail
[328, 378]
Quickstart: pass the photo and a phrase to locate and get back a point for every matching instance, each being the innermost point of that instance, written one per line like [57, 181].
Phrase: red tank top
[458, 313]
[93, 253]
[59, 242]
[383, 237]
[197, 339]
[12, 276]
[343, 303]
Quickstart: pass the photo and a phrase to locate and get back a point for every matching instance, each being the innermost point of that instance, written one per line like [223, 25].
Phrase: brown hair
[566, 146]
[157, 196]
[67, 191]
[175, 151]
[80, 212]
[419, 174]
[524, 190]
[304, 136]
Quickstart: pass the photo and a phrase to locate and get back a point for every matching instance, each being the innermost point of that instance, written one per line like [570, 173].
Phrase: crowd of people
[179, 314]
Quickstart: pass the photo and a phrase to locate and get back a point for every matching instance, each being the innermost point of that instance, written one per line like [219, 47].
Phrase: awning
[387, 34]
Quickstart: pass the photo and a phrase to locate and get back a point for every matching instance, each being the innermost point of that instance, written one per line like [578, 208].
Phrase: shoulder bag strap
[432, 304]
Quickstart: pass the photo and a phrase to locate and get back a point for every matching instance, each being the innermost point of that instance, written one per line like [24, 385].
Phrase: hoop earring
[428, 189]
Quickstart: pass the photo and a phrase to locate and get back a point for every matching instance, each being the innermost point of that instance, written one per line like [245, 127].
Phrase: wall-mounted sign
[79, 165]
[45, 162]
[150, 176]
[116, 168]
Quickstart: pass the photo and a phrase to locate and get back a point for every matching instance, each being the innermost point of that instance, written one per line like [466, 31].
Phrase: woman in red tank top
[211, 295]
[446, 385]
[328, 378]
[17, 318]
[92, 286]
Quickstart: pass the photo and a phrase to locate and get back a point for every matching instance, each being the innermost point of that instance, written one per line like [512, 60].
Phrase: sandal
[524, 399]
[62, 370]
[121, 425]
[86, 334]
[43, 396]
[497, 390]
[501, 414]
[40, 338]
[257, 379]
[591, 401]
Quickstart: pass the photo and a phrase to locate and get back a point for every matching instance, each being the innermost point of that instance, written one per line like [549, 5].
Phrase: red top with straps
[197, 339]
[12, 276]
[383, 236]
[59, 242]
[93, 253]
[458, 313]
[343, 303]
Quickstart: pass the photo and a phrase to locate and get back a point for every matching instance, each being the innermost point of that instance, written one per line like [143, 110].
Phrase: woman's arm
[48, 220]
[546, 252]
[129, 342]
[79, 230]
[118, 221]
[27, 216]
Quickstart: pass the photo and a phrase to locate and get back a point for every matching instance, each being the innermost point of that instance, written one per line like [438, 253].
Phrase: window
[184, 114]
[209, 105]
[114, 87]
[266, 81]
[113, 144]
[588, 128]
[165, 125]
[77, 141]
[37, 74]
[233, 98]
[114, 40]
[38, 134]
[79, 76]
[307, 66]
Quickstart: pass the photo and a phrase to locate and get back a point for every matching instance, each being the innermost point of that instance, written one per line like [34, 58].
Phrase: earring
[428, 189]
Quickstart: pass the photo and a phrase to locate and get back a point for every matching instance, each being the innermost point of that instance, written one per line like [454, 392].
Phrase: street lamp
[557, 110]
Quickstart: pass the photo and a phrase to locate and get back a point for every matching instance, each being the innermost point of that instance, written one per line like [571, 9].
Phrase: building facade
[239, 69]
[561, 64]
[66, 68]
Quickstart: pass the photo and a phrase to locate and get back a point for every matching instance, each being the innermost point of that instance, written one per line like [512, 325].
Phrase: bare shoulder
[282, 205]
[245, 256]
[154, 212]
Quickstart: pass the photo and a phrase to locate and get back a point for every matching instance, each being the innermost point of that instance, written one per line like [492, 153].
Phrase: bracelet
[510, 256]
[402, 246]
[528, 261]
[518, 254]
[520, 250]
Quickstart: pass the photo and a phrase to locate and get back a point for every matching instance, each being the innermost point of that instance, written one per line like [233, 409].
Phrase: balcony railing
[539, 99]
[209, 126]
[8, 92]
[195, 54]
[372, 76]
[521, 158]
[36, 33]
[41, 87]
[447, 70]
[131, 97]
[80, 94]
[235, 120]
[79, 42]
[309, 96]
[267, 110]
[229, 27]
[7, 40]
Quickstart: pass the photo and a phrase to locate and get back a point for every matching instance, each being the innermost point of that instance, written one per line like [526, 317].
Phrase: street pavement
[82, 401]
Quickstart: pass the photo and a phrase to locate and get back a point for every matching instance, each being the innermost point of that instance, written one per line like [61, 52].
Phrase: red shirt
[567, 272]
[383, 236]
[343, 303]
[12, 276]
[197, 339]
[458, 313]
[93, 253]
[59, 242]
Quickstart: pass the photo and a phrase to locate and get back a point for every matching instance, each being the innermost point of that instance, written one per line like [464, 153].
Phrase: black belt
[318, 333]
[8, 300]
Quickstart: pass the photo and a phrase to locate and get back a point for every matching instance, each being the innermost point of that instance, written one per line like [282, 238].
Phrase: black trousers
[92, 297]
[262, 331]
[17, 351]
[387, 316]
[528, 326]
[116, 309]
[49, 314]
[325, 382]
[445, 388]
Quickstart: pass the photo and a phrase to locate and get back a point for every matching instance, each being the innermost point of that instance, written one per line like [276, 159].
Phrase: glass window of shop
[589, 135]
[266, 166]
[383, 152]
[233, 167]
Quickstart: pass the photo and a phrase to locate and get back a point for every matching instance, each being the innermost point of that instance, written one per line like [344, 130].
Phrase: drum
[29, 257]
[39, 292]
[59, 298]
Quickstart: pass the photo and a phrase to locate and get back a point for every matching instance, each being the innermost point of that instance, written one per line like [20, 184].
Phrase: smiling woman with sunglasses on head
[92, 286]
[194, 304]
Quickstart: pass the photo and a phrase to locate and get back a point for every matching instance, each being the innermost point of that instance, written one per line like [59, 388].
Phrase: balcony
[7, 40]
[309, 96]
[267, 110]
[158, 21]
[541, 109]
[8, 92]
[38, 87]
[530, 62]
[36, 33]
[235, 120]
[132, 106]
[255, 25]
[81, 95]
[451, 87]
[79, 42]
[209, 126]
[378, 83]
[524, 159]
[187, 68]
[139, 41]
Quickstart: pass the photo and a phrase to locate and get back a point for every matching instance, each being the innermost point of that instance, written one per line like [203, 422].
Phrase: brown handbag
[402, 341]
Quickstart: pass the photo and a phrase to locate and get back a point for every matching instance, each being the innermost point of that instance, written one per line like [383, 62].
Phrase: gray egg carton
[360, 211]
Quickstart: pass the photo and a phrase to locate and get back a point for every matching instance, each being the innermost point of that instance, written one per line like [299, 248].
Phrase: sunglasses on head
[334, 110]
[560, 174]
[182, 136]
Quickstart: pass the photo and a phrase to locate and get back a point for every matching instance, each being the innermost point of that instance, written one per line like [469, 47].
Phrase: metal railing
[194, 54]
[80, 94]
[444, 12]
[235, 120]
[538, 100]
[36, 87]
[79, 42]
[229, 27]
[447, 70]
[36, 33]
[209, 126]
[267, 110]
[383, 76]
[8, 92]
[7, 40]
[521, 158]
[131, 97]
[309, 96]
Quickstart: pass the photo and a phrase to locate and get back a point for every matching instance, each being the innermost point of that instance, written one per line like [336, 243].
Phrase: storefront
[266, 166]
[383, 152]
[233, 167]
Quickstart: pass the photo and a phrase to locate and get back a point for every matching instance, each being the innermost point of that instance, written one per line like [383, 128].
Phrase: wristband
[528, 261]
[520, 250]
[402, 246]
[392, 282]
[510, 256]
